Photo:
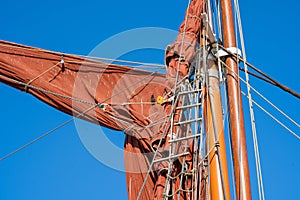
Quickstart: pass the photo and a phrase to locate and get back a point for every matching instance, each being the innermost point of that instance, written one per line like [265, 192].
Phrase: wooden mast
[213, 115]
[238, 139]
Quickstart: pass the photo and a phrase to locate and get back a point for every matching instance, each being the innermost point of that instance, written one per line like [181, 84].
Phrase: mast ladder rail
[186, 144]
[195, 146]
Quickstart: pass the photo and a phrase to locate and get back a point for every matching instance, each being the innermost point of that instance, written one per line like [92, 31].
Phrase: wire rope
[250, 103]
[68, 121]
[275, 107]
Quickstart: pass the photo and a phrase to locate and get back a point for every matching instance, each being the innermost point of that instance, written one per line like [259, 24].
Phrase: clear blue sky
[59, 167]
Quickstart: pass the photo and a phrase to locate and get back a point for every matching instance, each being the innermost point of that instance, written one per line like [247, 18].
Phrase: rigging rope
[250, 103]
[170, 119]
[257, 76]
[152, 65]
[240, 115]
[273, 117]
[226, 119]
[155, 154]
[68, 121]
[40, 75]
[212, 108]
[275, 107]
[92, 58]
[46, 91]
[272, 80]
[37, 139]
[268, 101]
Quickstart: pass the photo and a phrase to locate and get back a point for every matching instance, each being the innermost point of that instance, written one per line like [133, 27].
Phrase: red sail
[103, 92]
[183, 49]
[117, 97]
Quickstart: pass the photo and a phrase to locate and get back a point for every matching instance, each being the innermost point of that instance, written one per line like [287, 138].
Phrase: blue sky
[60, 167]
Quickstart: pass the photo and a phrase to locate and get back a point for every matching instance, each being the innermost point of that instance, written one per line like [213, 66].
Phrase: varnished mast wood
[219, 181]
[239, 149]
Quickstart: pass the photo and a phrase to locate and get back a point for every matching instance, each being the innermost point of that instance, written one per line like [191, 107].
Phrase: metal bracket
[232, 50]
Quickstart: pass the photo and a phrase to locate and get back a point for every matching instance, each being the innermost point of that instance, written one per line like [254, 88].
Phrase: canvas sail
[117, 97]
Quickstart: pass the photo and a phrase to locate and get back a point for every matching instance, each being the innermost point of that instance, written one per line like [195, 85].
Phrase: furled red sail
[180, 54]
[117, 97]
[73, 84]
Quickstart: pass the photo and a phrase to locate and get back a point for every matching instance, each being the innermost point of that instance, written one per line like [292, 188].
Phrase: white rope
[253, 125]
[269, 102]
[172, 111]
[68, 121]
[226, 118]
[213, 117]
[155, 154]
[46, 91]
[40, 75]
[275, 107]
[272, 116]
[47, 133]
[144, 64]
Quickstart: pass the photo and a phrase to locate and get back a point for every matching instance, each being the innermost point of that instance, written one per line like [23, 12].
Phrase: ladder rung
[189, 92]
[188, 121]
[184, 138]
[172, 157]
[188, 106]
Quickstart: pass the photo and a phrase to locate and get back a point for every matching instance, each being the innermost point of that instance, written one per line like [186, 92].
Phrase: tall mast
[212, 110]
[219, 181]
[238, 140]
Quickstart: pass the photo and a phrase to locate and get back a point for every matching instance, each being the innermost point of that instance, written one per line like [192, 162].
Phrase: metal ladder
[189, 135]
